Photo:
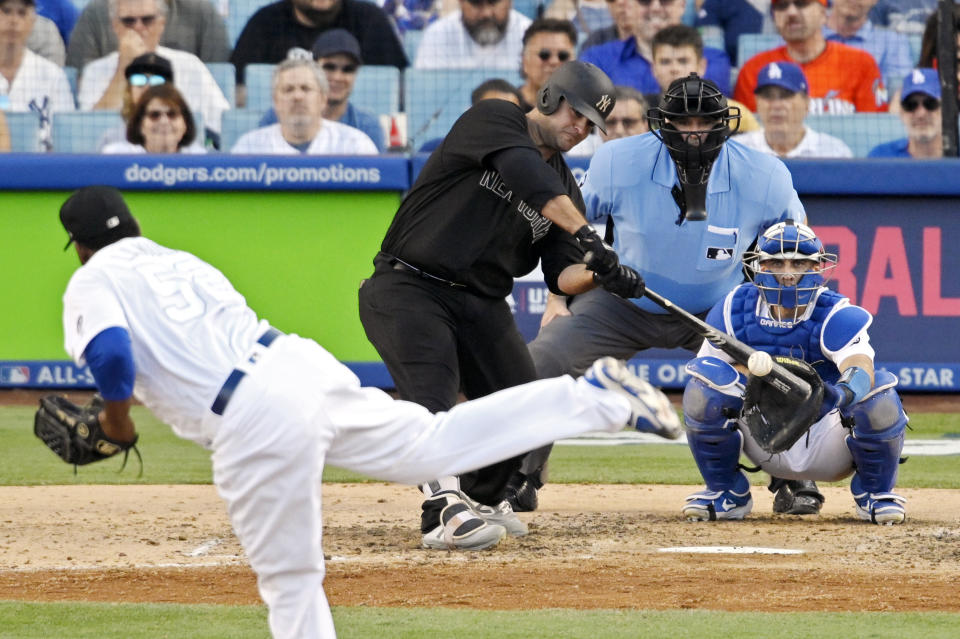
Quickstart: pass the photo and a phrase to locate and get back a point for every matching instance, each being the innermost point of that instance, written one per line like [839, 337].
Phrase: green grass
[159, 621]
[171, 460]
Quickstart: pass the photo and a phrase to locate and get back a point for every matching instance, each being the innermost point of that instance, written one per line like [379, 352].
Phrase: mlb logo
[714, 253]
[14, 374]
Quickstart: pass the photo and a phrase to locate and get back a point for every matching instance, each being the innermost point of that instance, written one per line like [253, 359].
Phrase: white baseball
[760, 363]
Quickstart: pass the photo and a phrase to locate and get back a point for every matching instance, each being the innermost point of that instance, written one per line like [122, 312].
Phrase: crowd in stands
[371, 76]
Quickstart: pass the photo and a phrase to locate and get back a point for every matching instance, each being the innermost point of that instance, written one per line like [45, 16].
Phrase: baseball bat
[779, 377]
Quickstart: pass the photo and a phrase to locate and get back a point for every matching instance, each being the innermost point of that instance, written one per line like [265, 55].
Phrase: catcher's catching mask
[694, 152]
[772, 267]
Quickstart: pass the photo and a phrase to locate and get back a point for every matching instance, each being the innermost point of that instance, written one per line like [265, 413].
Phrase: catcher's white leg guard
[711, 402]
[876, 441]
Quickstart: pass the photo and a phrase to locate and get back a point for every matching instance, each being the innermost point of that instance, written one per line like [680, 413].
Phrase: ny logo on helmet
[603, 103]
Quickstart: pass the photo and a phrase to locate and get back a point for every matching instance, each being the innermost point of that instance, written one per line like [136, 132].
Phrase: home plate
[733, 550]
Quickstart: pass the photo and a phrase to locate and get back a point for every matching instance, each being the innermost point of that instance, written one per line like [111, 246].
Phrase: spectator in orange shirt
[842, 79]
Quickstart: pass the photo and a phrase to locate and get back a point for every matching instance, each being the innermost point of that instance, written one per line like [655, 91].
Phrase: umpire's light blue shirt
[693, 264]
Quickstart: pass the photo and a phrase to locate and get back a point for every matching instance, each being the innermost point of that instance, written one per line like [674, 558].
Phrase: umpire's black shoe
[521, 493]
[796, 496]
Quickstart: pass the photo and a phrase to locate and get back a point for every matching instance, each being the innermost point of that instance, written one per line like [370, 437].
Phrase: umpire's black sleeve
[528, 176]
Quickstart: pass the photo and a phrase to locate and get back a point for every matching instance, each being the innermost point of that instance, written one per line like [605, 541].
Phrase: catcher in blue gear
[787, 311]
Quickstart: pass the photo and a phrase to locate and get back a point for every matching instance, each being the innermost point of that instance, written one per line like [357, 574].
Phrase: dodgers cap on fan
[94, 214]
[786, 75]
[336, 41]
[925, 81]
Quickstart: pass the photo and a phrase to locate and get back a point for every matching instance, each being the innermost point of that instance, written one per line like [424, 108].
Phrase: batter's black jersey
[465, 222]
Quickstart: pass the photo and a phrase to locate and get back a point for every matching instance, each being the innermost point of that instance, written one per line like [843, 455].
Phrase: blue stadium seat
[750, 44]
[226, 77]
[860, 131]
[238, 12]
[411, 40]
[435, 98]
[377, 89]
[529, 8]
[24, 131]
[80, 131]
[72, 79]
[916, 40]
[235, 123]
[258, 78]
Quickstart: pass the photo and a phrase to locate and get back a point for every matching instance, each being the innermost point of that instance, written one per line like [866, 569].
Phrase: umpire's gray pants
[601, 324]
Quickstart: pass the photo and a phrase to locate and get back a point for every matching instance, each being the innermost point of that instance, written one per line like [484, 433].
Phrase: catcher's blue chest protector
[801, 341]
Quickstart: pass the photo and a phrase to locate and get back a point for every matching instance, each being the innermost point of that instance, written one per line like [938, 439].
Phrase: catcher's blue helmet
[788, 241]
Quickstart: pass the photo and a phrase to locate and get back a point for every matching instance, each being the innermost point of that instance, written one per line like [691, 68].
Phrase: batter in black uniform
[494, 199]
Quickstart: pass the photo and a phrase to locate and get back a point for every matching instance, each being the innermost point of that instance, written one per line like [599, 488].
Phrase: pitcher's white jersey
[188, 326]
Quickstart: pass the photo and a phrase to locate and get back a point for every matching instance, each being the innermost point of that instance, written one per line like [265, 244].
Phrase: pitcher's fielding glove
[74, 433]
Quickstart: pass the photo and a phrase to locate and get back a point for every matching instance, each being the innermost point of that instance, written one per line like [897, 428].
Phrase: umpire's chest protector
[801, 341]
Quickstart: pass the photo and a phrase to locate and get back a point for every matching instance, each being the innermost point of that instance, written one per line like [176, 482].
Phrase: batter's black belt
[399, 265]
[226, 391]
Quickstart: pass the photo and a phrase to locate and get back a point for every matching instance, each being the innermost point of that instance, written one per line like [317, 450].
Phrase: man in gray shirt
[192, 25]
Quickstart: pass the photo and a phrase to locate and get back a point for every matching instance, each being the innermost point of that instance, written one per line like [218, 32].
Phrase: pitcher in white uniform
[167, 328]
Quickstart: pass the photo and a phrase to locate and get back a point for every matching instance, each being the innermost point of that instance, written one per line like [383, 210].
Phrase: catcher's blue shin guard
[711, 403]
[875, 443]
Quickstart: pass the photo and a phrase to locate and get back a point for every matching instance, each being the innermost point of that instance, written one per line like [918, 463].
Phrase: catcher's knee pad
[714, 393]
[876, 441]
[711, 404]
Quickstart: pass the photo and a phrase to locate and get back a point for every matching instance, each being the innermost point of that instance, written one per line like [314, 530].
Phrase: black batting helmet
[588, 90]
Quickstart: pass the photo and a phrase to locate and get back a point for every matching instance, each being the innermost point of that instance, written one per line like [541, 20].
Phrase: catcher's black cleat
[522, 493]
[796, 497]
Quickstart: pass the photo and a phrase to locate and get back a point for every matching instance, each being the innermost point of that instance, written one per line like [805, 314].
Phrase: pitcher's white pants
[299, 408]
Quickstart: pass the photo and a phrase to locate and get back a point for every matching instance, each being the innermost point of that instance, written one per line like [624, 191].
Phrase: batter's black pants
[437, 341]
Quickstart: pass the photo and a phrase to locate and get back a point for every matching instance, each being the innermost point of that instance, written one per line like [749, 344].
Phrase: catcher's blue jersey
[829, 325]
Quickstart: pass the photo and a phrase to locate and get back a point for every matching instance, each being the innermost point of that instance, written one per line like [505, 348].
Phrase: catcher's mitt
[74, 432]
[775, 420]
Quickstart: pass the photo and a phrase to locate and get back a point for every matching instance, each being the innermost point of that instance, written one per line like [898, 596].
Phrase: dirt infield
[593, 546]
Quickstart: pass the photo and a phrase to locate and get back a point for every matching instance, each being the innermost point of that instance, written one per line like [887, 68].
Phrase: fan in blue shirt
[920, 113]
[629, 62]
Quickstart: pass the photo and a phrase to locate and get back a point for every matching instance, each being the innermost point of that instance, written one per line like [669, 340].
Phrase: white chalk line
[919, 447]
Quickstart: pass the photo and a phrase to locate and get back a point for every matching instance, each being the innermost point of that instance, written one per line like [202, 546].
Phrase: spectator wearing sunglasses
[842, 79]
[629, 62]
[920, 113]
[629, 117]
[300, 92]
[147, 70]
[138, 25]
[193, 26]
[483, 34]
[338, 54]
[161, 123]
[547, 43]
[783, 104]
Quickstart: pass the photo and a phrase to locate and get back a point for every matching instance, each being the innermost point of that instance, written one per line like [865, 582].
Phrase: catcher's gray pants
[601, 324]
